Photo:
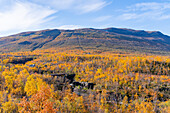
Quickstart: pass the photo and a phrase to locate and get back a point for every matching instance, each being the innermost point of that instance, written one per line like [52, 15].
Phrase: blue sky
[29, 15]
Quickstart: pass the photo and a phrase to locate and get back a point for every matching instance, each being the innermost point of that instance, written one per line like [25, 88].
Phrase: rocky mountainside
[88, 38]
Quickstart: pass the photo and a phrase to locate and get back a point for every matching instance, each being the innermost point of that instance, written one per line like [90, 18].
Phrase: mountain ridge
[87, 38]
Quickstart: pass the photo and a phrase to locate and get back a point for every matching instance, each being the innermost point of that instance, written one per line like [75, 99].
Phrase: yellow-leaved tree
[33, 85]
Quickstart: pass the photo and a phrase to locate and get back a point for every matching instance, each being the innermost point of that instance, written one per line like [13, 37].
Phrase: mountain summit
[87, 38]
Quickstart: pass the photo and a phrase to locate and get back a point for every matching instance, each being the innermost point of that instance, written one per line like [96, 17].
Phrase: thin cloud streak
[102, 18]
[91, 7]
[143, 11]
[151, 6]
[69, 27]
[80, 6]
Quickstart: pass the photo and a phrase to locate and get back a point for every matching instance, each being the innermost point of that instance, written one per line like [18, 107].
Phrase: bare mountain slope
[88, 38]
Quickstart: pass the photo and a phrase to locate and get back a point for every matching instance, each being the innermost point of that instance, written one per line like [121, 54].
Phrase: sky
[30, 15]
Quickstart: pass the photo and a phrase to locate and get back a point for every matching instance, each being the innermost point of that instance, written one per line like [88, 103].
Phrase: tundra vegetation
[104, 82]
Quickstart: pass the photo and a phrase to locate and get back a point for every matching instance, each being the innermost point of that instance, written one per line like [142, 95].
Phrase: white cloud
[70, 27]
[90, 6]
[23, 16]
[151, 6]
[128, 16]
[150, 10]
[56, 4]
[102, 18]
[80, 6]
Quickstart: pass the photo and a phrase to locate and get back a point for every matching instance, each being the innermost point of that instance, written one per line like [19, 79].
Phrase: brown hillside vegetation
[88, 38]
[104, 82]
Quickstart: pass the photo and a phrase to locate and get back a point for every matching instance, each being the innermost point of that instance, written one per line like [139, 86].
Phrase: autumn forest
[76, 81]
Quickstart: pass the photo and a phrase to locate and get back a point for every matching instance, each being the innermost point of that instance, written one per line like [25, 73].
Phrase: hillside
[88, 38]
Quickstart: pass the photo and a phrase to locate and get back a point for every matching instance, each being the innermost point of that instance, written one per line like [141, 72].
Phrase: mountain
[88, 38]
